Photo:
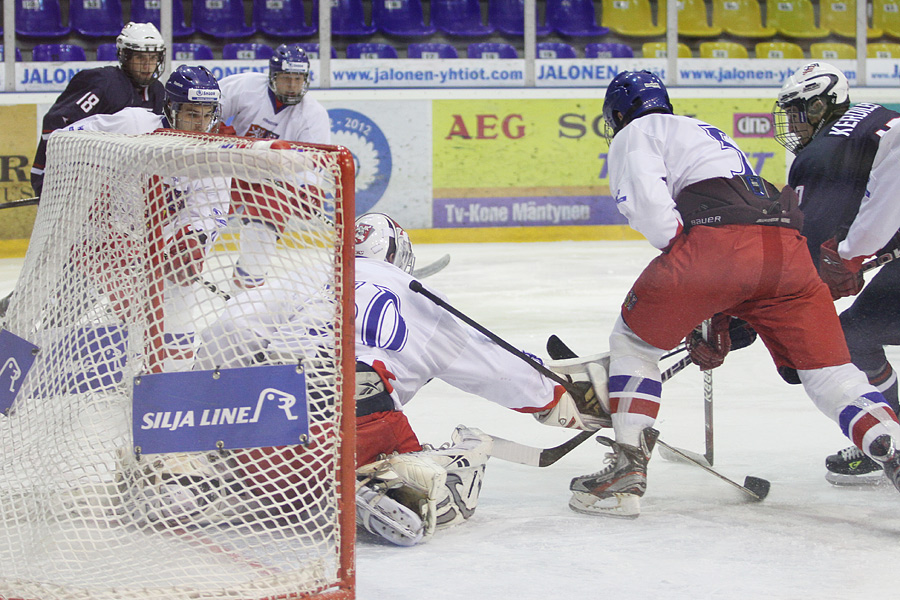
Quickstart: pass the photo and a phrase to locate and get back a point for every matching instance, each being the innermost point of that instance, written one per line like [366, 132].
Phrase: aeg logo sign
[753, 125]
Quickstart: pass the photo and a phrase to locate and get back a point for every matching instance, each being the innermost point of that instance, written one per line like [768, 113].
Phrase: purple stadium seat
[285, 18]
[148, 11]
[57, 53]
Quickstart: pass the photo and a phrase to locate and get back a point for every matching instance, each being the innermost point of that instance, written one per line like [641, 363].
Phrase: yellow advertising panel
[18, 140]
[513, 163]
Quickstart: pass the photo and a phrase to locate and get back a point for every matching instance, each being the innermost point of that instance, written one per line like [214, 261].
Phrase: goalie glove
[843, 277]
[709, 352]
[183, 261]
[584, 402]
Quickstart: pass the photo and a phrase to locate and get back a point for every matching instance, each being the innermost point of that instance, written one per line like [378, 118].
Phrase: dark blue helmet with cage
[289, 58]
[192, 85]
[633, 94]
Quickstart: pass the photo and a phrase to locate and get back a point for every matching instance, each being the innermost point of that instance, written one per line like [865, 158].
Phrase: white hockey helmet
[379, 236]
[815, 95]
[140, 37]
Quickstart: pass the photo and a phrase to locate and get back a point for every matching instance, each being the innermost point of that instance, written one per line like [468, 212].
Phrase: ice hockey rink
[697, 537]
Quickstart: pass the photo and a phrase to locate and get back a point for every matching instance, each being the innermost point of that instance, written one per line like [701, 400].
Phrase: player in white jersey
[192, 104]
[270, 106]
[403, 340]
[730, 245]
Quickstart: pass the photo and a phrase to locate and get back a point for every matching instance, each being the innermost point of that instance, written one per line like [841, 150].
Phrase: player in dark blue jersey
[106, 90]
[835, 146]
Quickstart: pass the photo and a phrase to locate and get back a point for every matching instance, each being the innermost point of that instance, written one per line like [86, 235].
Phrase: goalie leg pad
[385, 517]
[179, 486]
[465, 462]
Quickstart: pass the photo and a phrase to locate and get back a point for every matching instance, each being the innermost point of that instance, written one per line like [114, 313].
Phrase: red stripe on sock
[861, 427]
[637, 406]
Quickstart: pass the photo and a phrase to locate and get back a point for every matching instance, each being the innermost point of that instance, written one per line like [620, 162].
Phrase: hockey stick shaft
[708, 400]
[881, 259]
[213, 288]
[417, 287]
[22, 202]
[759, 494]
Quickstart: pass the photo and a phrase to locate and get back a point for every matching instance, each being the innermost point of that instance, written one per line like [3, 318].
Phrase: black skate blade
[757, 485]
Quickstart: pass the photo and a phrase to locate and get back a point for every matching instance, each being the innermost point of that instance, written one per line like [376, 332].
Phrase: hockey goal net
[175, 254]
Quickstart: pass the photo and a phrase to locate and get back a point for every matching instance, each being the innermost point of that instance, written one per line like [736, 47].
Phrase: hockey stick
[22, 202]
[880, 260]
[432, 268]
[755, 487]
[213, 288]
[544, 457]
[708, 401]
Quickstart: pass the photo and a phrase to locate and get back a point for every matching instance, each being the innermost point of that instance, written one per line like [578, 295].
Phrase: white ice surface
[697, 537]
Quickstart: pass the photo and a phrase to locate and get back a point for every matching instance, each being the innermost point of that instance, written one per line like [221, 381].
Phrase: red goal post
[132, 269]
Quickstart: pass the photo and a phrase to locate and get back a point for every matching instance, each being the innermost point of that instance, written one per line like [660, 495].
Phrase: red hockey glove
[226, 129]
[709, 353]
[184, 258]
[842, 276]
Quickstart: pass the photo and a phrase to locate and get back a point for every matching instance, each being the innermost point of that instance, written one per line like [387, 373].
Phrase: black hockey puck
[757, 485]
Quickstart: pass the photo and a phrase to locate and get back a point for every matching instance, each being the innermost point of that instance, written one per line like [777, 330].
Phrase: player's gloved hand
[184, 258]
[709, 353]
[226, 129]
[843, 277]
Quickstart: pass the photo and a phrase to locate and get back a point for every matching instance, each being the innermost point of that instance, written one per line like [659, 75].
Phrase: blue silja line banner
[16, 358]
[199, 411]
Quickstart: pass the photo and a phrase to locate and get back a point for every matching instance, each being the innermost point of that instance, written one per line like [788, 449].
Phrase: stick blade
[433, 268]
[757, 485]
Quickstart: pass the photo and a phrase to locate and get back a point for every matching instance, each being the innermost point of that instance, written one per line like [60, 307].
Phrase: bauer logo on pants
[16, 358]
[225, 409]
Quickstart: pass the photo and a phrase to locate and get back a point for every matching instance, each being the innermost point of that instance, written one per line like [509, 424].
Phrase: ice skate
[615, 491]
[883, 450]
[851, 466]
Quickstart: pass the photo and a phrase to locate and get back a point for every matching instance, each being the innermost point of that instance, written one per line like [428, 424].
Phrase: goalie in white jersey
[403, 340]
[273, 105]
[198, 207]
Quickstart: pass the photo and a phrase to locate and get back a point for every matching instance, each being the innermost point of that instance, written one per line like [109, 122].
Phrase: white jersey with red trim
[653, 158]
[250, 107]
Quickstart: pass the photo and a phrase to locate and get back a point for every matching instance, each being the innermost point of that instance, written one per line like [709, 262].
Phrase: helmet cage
[815, 82]
[140, 37]
[379, 236]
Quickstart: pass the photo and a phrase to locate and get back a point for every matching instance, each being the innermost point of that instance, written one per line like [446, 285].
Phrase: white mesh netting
[175, 252]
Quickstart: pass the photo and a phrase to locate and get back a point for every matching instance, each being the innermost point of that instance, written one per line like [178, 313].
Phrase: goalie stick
[754, 487]
[432, 268]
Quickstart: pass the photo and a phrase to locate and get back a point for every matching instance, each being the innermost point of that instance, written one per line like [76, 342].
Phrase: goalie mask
[192, 99]
[814, 96]
[141, 52]
[289, 73]
[633, 94]
[379, 236]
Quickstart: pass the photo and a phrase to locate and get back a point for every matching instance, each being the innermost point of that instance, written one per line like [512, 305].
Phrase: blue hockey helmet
[289, 58]
[633, 94]
[192, 86]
